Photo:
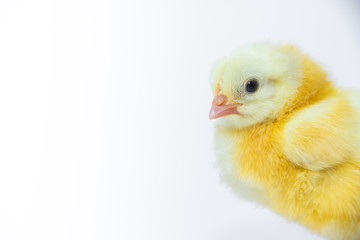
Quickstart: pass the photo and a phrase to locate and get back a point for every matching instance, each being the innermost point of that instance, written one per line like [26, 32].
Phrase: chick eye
[252, 85]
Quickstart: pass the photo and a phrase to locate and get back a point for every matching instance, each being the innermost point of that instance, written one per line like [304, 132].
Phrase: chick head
[254, 84]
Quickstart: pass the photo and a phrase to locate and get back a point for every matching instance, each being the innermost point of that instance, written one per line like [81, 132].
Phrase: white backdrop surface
[104, 130]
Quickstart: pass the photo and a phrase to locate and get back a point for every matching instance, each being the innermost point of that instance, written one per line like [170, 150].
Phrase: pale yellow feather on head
[278, 70]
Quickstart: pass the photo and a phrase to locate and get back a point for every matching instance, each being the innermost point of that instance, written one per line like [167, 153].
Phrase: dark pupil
[252, 86]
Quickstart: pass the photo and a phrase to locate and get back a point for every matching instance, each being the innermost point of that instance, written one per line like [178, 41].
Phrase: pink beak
[220, 108]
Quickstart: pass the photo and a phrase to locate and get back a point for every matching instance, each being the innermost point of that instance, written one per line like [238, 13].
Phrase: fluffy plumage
[293, 144]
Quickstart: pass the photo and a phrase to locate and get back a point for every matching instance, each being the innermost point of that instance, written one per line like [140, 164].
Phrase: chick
[288, 138]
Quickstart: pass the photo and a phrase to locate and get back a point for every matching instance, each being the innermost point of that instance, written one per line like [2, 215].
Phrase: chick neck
[314, 86]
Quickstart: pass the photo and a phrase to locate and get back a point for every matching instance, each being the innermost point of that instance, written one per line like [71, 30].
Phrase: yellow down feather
[301, 158]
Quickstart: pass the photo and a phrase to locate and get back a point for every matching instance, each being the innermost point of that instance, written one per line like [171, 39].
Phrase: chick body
[303, 159]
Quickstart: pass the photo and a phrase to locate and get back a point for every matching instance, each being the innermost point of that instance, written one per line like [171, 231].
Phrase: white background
[104, 130]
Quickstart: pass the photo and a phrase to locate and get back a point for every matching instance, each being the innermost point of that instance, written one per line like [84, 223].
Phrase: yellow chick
[288, 138]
